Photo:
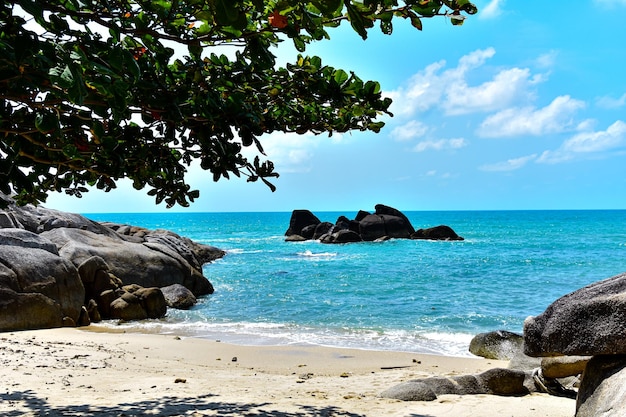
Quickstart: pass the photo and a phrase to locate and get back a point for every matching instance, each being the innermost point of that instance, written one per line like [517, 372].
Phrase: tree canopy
[98, 90]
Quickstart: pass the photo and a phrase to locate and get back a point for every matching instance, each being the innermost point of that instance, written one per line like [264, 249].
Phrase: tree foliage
[98, 90]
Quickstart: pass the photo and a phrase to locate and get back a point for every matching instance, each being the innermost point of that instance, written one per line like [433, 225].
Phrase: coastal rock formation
[497, 381]
[62, 269]
[385, 223]
[588, 322]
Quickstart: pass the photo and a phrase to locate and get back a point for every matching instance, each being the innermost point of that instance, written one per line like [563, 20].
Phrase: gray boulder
[589, 321]
[499, 344]
[40, 288]
[149, 265]
[497, 381]
[178, 296]
[61, 268]
[602, 390]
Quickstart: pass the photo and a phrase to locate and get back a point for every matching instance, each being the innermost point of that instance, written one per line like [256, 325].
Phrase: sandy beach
[63, 372]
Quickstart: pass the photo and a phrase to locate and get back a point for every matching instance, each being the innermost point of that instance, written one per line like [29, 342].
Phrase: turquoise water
[409, 295]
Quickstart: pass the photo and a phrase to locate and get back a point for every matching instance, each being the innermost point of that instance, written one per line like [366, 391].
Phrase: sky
[521, 108]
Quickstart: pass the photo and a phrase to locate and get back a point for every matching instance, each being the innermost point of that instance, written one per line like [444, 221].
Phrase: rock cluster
[385, 223]
[524, 374]
[62, 269]
[589, 322]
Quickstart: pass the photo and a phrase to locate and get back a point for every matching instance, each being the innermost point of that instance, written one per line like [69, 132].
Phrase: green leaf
[340, 76]
[225, 12]
[356, 20]
[47, 122]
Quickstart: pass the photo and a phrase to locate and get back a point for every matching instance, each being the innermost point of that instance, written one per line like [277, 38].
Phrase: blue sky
[522, 107]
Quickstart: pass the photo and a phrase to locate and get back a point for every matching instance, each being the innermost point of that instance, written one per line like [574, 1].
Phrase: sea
[401, 295]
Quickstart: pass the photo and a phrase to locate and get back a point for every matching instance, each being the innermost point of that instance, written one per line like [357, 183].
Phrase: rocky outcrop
[62, 269]
[385, 223]
[590, 322]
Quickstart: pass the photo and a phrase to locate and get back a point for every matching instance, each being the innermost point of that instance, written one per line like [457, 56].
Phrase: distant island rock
[385, 223]
[62, 269]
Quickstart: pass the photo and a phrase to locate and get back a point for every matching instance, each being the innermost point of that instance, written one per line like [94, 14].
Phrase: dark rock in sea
[342, 236]
[436, 233]
[299, 220]
[385, 223]
[61, 268]
[589, 321]
[500, 344]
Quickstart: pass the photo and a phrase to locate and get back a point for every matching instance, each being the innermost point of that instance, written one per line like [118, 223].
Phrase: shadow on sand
[25, 403]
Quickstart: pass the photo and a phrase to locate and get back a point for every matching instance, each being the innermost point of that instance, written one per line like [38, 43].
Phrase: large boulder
[497, 381]
[589, 321]
[299, 220]
[441, 232]
[178, 296]
[499, 344]
[602, 390]
[61, 268]
[40, 288]
[149, 265]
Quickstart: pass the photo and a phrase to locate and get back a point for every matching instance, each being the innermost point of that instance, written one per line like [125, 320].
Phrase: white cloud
[491, 10]
[509, 164]
[492, 95]
[411, 130]
[291, 152]
[440, 145]
[592, 142]
[610, 102]
[448, 89]
[555, 117]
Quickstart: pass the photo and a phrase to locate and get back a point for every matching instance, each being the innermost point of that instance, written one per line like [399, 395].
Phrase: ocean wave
[309, 254]
[280, 334]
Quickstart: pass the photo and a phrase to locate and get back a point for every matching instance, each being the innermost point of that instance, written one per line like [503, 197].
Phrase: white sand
[73, 372]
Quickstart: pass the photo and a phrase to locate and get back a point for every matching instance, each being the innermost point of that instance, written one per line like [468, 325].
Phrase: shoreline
[83, 372]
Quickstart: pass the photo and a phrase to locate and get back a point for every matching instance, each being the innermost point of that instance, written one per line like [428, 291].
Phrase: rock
[36, 311]
[149, 265]
[586, 322]
[32, 270]
[563, 366]
[123, 310]
[296, 238]
[342, 236]
[602, 390]
[385, 223]
[500, 344]
[411, 391]
[436, 233]
[497, 381]
[299, 220]
[321, 229]
[178, 296]
[152, 301]
[62, 269]
[371, 227]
